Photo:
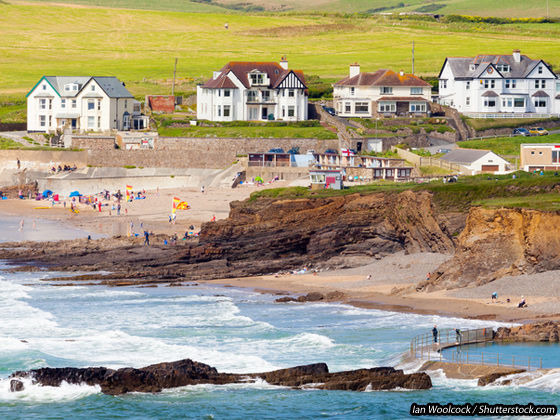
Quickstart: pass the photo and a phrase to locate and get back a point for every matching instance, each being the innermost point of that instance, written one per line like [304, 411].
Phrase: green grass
[251, 132]
[139, 46]
[9, 144]
[545, 202]
[457, 196]
[13, 110]
[488, 123]
[433, 170]
[507, 146]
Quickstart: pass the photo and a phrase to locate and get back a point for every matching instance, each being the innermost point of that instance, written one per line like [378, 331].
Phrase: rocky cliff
[154, 378]
[500, 242]
[546, 332]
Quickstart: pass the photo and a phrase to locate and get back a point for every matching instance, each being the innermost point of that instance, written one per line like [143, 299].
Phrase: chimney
[401, 73]
[354, 69]
[284, 62]
[517, 56]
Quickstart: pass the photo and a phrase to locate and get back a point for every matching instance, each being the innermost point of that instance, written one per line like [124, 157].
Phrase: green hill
[511, 8]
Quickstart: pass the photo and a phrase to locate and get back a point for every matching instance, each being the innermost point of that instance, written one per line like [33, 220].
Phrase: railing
[508, 115]
[422, 346]
[495, 359]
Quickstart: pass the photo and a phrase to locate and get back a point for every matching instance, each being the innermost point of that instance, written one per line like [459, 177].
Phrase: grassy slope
[507, 146]
[514, 8]
[486, 123]
[139, 46]
[259, 132]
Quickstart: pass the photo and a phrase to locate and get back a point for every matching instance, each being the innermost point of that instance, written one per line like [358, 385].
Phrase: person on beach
[428, 276]
[213, 219]
[119, 209]
[21, 223]
[458, 336]
[522, 303]
[435, 333]
[494, 296]
[202, 189]
[146, 238]
[18, 164]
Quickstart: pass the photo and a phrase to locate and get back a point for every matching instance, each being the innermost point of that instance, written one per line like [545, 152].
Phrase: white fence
[508, 115]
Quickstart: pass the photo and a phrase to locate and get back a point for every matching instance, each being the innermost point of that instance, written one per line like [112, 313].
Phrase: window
[386, 90]
[227, 92]
[468, 86]
[63, 103]
[361, 108]
[50, 103]
[91, 105]
[256, 78]
[67, 88]
[42, 104]
[352, 91]
[99, 104]
[348, 107]
[510, 83]
[50, 120]
[219, 110]
[92, 88]
[283, 111]
[507, 102]
[252, 95]
[557, 86]
[44, 87]
[416, 91]
[227, 110]
[74, 87]
[91, 122]
[291, 93]
[489, 83]
[503, 67]
[540, 103]
[443, 84]
[219, 92]
[467, 101]
[519, 102]
[490, 103]
[507, 83]
[387, 107]
[74, 103]
[542, 83]
[555, 156]
[266, 95]
[98, 122]
[291, 111]
[418, 107]
[540, 70]
[42, 120]
[126, 103]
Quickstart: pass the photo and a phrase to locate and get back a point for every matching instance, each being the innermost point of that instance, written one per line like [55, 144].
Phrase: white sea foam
[45, 394]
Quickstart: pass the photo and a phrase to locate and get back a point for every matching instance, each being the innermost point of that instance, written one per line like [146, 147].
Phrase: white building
[82, 103]
[383, 92]
[492, 84]
[253, 91]
[477, 161]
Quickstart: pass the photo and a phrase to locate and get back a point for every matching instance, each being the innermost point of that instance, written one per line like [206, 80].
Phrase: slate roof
[112, 86]
[383, 77]
[464, 156]
[241, 70]
[540, 94]
[490, 94]
[461, 66]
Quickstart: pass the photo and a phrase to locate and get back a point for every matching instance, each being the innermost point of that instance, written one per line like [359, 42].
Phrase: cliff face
[500, 242]
[268, 235]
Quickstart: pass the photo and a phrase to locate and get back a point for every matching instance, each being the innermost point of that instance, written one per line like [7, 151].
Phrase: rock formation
[154, 378]
[500, 242]
[544, 332]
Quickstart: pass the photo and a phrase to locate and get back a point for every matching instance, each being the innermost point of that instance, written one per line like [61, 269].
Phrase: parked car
[521, 132]
[276, 150]
[444, 150]
[331, 152]
[329, 110]
[539, 131]
[533, 131]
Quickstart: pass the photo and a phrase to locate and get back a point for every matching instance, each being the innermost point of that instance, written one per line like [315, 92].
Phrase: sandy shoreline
[391, 286]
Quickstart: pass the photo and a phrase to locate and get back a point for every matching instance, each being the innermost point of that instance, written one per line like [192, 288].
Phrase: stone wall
[98, 143]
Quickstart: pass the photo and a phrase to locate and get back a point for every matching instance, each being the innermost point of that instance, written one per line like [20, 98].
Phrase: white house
[383, 92]
[477, 161]
[491, 84]
[82, 103]
[253, 91]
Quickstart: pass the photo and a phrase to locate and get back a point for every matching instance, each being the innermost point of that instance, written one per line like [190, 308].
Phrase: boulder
[16, 385]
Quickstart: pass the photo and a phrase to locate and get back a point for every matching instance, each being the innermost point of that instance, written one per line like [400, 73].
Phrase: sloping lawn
[507, 146]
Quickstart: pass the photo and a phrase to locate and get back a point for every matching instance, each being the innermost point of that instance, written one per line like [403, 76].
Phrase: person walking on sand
[18, 164]
[146, 238]
[202, 189]
[435, 333]
[494, 296]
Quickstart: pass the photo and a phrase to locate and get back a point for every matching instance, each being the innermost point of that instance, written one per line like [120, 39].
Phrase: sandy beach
[152, 212]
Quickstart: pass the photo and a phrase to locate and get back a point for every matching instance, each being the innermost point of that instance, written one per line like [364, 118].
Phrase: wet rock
[156, 377]
[16, 385]
[539, 332]
[492, 377]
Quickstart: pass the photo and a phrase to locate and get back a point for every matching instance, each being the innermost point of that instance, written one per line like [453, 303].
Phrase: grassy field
[139, 46]
[545, 202]
[514, 8]
[507, 146]
[457, 196]
[253, 132]
[487, 123]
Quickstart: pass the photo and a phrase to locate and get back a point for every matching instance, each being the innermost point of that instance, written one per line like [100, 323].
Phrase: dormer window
[67, 88]
[74, 87]
[540, 70]
[505, 68]
[257, 78]
[386, 90]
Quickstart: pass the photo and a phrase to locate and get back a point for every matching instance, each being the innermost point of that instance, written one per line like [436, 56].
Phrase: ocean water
[235, 331]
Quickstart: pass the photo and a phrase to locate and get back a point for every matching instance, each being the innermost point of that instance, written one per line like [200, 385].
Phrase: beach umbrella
[46, 193]
[258, 179]
[75, 194]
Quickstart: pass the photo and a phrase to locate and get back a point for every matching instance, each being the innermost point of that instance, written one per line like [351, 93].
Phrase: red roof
[383, 77]
[241, 70]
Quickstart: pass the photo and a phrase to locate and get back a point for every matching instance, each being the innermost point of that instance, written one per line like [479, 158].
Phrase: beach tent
[75, 194]
[47, 193]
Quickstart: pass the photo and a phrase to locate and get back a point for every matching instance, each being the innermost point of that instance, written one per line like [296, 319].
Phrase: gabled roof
[540, 94]
[383, 77]
[461, 66]
[464, 156]
[112, 86]
[241, 69]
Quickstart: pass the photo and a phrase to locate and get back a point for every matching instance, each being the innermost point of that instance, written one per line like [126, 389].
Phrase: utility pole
[174, 73]
[412, 57]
